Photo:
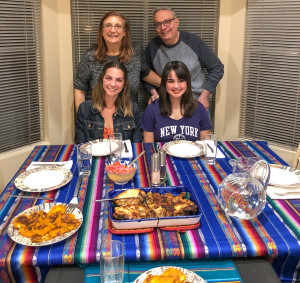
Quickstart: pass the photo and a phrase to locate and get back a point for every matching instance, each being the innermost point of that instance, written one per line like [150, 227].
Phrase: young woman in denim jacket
[110, 110]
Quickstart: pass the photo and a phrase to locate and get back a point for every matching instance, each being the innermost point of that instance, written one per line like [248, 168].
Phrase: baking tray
[157, 222]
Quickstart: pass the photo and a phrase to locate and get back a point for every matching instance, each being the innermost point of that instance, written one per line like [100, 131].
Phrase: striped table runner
[274, 233]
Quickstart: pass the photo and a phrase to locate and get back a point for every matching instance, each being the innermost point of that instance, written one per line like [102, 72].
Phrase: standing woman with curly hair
[113, 44]
[110, 110]
[177, 114]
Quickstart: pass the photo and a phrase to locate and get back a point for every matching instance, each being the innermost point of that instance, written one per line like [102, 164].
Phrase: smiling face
[175, 87]
[113, 30]
[169, 34]
[113, 82]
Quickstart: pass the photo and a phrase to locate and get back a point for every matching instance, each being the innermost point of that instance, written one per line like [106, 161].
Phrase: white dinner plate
[100, 147]
[183, 148]
[190, 275]
[15, 236]
[42, 179]
[281, 175]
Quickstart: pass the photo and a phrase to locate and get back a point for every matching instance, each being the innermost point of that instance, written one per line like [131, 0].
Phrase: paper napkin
[275, 192]
[129, 147]
[219, 152]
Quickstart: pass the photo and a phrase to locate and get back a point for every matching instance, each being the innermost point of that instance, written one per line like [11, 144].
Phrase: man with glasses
[172, 44]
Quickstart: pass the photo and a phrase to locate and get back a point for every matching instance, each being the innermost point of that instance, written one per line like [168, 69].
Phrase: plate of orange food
[44, 224]
[169, 274]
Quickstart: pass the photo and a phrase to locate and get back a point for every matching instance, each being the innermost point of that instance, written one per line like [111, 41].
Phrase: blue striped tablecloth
[210, 270]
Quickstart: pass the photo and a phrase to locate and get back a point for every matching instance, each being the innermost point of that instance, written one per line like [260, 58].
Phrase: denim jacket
[90, 124]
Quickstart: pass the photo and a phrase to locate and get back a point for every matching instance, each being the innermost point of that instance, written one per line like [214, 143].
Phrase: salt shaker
[162, 157]
[155, 169]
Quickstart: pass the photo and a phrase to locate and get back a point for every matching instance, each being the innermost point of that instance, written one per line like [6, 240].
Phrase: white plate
[190, 275]
[42, 179]
[100, 147]
[281, 175]
[15, 236]
[183, 148]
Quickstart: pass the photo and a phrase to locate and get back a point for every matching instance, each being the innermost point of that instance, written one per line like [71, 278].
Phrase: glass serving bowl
[120, 173]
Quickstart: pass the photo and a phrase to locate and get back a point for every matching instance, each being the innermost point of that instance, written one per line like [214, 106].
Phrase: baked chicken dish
[152, 205]
[41, 226]
[170, 275]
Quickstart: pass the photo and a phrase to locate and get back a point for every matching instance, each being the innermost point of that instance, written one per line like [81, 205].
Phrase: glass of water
[84, 158]
[210, 144]
[115, 146]
[112, 262]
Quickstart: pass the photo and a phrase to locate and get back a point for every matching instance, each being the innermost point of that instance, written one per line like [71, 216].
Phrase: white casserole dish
[156, 222]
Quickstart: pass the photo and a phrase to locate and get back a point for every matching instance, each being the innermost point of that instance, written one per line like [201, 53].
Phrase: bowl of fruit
[120, 173]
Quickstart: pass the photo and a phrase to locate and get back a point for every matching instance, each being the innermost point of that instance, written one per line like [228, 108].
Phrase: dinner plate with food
[42, 179]
[165, 274]
[183, 148]
[44, 224]
[154, 207]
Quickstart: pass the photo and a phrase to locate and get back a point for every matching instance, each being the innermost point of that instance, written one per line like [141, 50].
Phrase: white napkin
[129, 147]
[66, 164]
[219, 152]
[275, 192]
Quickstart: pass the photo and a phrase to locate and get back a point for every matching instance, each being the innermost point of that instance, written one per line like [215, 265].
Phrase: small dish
[124, 175]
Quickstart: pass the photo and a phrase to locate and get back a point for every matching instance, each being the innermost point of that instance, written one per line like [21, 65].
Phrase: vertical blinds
[20, 74]
[196, 16]
[270, 107]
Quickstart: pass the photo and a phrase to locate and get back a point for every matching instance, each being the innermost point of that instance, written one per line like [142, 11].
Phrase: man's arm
[203, 98]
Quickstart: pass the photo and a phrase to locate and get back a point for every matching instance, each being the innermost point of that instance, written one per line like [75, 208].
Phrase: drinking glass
[84, 159]
[210, 143]
[115, 146]
[112, 262]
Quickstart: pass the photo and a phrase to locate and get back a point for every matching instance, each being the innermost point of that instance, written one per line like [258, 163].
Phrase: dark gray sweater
[89, 70]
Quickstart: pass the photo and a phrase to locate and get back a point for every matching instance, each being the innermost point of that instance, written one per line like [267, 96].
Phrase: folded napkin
[129, 147]
[219, 152]
[66, 164]
[275, 192]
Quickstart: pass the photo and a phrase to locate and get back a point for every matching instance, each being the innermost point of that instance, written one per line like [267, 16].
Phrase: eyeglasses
[165, 22]
[110, 26]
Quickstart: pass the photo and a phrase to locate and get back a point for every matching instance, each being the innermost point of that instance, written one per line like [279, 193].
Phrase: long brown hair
[125, 49]
[123, 100]
[188, 103]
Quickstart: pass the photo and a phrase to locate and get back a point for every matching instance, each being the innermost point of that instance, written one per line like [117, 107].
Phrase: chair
[297, 157]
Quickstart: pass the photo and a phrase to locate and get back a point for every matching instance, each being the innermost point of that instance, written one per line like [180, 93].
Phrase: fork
[73, 204]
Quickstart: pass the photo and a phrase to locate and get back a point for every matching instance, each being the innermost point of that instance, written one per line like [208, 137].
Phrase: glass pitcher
[242, 194]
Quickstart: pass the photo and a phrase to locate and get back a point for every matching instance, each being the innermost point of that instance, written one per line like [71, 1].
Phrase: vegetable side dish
[170, 275]
[119, 168]
[42, 226]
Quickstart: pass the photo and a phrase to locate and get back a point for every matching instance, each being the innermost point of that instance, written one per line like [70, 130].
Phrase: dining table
[274, 234]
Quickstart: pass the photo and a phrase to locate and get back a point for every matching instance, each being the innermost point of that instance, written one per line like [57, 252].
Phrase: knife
[21, 196]
[126, 148]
